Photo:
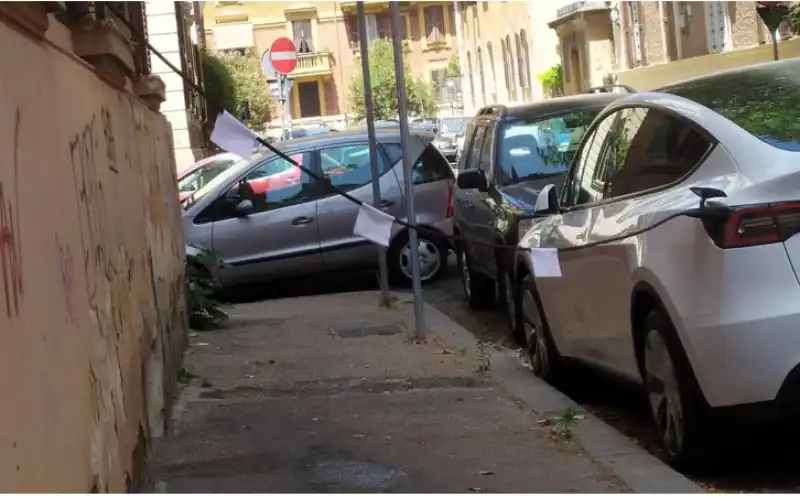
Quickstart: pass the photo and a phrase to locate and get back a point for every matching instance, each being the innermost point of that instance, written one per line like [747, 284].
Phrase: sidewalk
[284, 403]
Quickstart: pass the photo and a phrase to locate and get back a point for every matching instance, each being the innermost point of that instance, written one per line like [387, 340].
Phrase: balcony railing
[582, 5]
[132, 12]
[313, 64]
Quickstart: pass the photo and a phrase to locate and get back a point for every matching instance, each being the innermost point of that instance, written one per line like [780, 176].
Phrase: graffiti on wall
[66, 265]
[10, 240]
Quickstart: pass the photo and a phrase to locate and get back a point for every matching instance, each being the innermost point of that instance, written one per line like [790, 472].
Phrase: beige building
[92, 306]
[648, 44]
[504, 47]
[326, 36]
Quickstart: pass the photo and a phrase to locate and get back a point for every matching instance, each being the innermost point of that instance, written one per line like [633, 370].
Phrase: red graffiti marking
[66, 264]
[10, 251]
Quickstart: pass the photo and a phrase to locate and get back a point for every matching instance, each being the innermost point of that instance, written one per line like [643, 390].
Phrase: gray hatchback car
[266, 219]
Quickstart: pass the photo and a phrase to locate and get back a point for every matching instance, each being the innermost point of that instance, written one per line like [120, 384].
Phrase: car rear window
[764, 100]
[530, 148]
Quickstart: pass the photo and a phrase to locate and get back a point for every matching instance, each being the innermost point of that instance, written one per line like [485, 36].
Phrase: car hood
[523, 195]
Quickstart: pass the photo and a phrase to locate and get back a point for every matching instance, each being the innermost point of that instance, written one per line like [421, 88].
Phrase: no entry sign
[283, 55]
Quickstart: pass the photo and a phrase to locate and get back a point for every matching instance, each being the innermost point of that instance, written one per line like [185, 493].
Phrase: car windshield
[203, 174]
[764, 100]
[454, 124]
[237, 168]
[531, 148]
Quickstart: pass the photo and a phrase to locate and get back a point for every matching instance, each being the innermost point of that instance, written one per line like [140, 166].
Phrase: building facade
[641, 43]
[176, 30]
[504, 47]
[326, 36]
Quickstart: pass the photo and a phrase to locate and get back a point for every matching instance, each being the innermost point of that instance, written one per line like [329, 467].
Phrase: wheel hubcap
[465, 273]
[532, 321]
[663, 392]
[429, 259]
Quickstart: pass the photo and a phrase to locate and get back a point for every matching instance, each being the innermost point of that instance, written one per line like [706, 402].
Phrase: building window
[526, 58]
[373, 33]
[512, 83]
[635, 55]
[471, 79]
[303, 36]
[717, 27]
[493, 69]
[434, 24]
[480, 75]
[523, 80]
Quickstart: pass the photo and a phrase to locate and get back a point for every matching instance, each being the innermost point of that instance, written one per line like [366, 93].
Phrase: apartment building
[504, 46]
[326, 36]
[648, 44]
[176, 30]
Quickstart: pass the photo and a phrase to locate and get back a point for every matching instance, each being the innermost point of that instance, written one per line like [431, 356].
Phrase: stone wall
[92, 305]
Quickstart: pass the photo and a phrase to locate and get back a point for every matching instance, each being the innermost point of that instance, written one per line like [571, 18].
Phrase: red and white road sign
[283, 55]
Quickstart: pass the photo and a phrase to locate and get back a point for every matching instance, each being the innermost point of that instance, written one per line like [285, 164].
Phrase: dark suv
[510, 154]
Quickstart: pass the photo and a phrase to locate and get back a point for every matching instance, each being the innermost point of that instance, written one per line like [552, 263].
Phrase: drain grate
[363, 331]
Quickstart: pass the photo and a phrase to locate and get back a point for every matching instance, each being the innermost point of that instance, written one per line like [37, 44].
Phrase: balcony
[313, 64]
[571, 10]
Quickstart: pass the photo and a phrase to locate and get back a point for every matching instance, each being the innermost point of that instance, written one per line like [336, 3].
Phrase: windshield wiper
[538, 176]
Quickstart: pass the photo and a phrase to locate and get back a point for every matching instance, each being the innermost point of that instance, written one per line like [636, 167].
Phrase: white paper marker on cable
[232, 135]
[545, 262]
[374, 225]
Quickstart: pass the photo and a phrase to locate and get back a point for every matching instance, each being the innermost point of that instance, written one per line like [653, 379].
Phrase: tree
[453, 69]
[419, 94]
[251, 86]
[552, 81]
[220, 88]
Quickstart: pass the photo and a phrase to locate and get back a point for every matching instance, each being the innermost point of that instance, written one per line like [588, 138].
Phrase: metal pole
[383, 270]
[284, 99]
[402, 109]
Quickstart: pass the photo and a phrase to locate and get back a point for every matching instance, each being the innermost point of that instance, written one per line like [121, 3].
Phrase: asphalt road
[761, 463]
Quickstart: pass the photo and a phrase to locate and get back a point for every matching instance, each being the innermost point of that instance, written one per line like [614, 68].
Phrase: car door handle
[302, 221]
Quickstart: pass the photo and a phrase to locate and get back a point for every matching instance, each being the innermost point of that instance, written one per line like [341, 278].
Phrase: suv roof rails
[495, 110]
[610, 89]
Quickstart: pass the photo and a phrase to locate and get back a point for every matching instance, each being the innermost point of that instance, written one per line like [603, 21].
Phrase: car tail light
[757, 225]
[450, 200]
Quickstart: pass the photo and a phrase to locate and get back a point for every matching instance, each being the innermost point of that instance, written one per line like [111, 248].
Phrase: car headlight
[525, 226]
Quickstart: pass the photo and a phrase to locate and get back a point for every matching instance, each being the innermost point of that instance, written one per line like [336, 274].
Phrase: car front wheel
[545, 360]
[479, 289]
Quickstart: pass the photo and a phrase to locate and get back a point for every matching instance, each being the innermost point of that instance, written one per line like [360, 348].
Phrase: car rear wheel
[433, 253]
[545, 360]
[510, 296]
[673, 396]
[479, 289]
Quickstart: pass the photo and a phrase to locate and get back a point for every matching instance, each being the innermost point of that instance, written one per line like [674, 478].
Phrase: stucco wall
[648, 78]
[92, 313]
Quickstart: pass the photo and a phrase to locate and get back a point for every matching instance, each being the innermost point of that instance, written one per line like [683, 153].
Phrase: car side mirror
[547, 202]
[244, 208]
[472, 179]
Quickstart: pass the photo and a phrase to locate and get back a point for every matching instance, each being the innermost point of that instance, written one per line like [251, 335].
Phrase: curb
[639, 470]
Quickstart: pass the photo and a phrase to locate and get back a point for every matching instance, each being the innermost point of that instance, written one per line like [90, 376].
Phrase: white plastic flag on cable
[232, 135]
[545, 262]
[374, 225]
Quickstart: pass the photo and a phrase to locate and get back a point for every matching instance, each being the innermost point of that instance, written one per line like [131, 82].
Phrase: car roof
[347, 134]
[723, 76]
[551, 106]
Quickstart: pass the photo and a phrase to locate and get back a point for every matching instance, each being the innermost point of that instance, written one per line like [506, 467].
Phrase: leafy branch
[202, 282]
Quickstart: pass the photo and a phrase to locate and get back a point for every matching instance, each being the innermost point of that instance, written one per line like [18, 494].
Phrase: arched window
[524, 64]
[471, 79]
[523, 83]
[512, 89]
[480, 75]
[493, 69]
[504, 51]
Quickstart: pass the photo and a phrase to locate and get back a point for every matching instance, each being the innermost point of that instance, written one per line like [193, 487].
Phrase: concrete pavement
[328, 394]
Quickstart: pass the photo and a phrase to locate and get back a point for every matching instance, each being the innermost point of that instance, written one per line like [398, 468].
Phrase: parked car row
[701, 312]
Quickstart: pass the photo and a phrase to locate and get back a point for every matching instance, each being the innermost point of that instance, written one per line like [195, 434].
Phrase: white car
[702, 310]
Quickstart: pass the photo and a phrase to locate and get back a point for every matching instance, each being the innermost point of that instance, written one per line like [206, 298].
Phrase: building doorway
[308, 94]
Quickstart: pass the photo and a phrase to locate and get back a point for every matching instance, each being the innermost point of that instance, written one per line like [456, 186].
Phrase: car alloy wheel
[663, 392]
[430, 259]
[534, 335]
[465, 273]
